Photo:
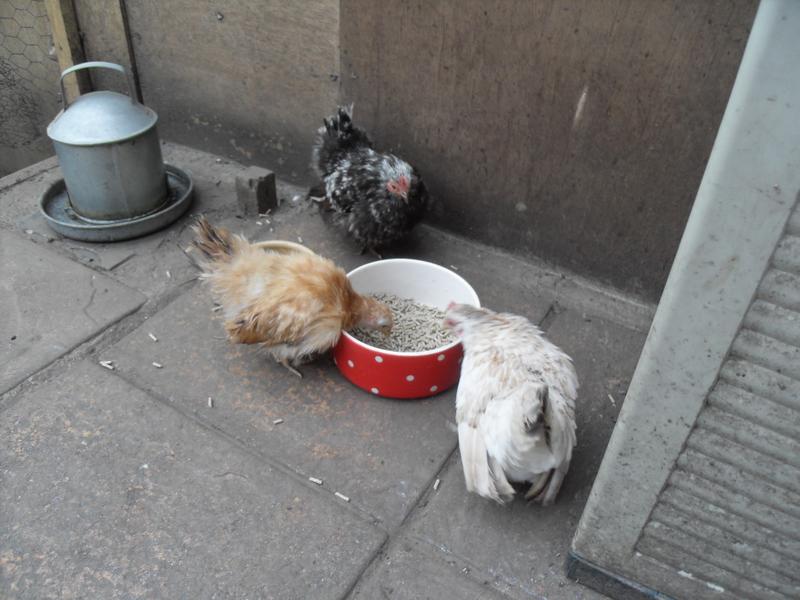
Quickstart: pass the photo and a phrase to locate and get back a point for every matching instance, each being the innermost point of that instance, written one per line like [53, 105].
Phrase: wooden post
[67, 41]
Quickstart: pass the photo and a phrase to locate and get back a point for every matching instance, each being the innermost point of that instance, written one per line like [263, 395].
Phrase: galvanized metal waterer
[116, 185]
[108, 148]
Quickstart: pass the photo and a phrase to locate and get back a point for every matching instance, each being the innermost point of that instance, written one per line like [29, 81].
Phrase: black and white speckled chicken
[376, 197]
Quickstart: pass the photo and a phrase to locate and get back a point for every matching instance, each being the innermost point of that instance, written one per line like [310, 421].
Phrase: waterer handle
[96, 64]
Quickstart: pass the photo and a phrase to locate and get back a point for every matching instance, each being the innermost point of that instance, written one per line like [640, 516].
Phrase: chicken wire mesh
[29, 97]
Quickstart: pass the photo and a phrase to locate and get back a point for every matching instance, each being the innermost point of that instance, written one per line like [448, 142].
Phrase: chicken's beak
[404, 196]
[384, 325]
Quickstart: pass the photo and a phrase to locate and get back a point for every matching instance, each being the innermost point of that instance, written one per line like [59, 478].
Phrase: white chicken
[515, 405]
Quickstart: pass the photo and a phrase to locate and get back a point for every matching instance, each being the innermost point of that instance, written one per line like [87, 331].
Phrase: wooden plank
[105, 36]
[252, 83]
[67, 42]
[581, 128]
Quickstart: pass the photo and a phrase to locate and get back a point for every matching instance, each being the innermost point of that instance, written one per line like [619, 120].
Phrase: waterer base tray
[54, 204]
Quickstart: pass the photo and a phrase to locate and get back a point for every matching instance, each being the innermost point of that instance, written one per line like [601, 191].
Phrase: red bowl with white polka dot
[404, 374]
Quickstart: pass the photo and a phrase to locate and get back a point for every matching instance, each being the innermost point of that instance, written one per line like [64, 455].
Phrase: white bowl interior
[425, 282]
[419, 280]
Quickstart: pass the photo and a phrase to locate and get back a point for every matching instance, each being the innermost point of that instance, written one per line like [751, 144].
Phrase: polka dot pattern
[389, 376]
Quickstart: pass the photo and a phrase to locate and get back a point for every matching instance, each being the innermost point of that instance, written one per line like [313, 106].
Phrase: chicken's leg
[538, 486]
[285, 363]
[372, 251]
[555, 484]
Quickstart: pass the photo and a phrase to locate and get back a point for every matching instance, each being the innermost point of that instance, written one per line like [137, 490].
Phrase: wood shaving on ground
[108, 364]
[277, 421]
[613, 402]
[210, 402]
[216, 309]
[342, 496]
[436, 484]
[152, 337]
[417, 327]
[158, 365]
[169, 275]
[299, 239]
[259, 223]
[315, 480]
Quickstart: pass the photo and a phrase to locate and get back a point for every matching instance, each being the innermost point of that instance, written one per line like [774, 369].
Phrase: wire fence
[29, 96]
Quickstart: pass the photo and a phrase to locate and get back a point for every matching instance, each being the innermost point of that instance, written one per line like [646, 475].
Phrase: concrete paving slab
[384, 455]
[522, 548]
[20, 192]
[108, 493]
[50, 305]
[605, 355]
[411, 570]
[14, 179]
[380, 453]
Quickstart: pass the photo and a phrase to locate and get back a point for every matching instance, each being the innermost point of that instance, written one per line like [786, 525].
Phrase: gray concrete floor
[126, 484]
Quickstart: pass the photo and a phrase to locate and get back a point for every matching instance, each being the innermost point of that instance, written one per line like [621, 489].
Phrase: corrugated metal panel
[730, 513]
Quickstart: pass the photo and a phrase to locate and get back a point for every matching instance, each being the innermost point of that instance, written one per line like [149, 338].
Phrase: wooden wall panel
[574, 131]
[250, 79]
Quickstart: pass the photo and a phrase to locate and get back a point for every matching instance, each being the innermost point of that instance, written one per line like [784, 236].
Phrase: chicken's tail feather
[338, 137]
[341, 124]
[478, 473]
[216, 243]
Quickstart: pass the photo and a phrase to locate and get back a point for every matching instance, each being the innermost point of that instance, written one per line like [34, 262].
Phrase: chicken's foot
[537, 487]
[286, 364]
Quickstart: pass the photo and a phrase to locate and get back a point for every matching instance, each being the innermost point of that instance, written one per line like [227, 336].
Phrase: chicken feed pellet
[417, 327]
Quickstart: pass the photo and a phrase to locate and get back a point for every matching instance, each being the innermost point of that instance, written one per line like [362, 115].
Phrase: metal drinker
[108, 148]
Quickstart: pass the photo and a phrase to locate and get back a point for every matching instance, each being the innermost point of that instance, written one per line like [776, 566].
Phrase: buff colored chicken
[286, 298]
[515, 405]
